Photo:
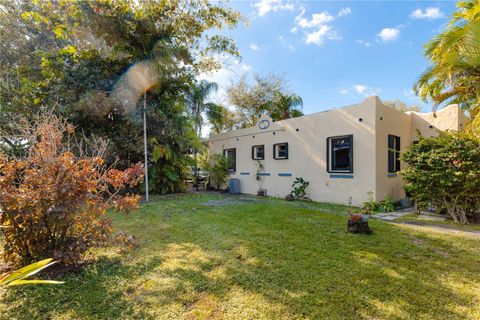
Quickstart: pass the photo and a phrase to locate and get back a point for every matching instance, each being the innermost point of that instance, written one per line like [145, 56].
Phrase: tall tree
[221, 119]
[85, 60]
[454, 76]
[285, 106]
[198, 104]
[254, 98]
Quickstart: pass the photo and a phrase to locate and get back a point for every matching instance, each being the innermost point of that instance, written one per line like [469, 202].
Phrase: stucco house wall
[369, 122]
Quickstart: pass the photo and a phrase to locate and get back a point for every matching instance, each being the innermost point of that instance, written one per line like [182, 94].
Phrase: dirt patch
[229, 200]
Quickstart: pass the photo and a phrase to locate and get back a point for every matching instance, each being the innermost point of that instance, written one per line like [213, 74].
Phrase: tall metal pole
[145, 143]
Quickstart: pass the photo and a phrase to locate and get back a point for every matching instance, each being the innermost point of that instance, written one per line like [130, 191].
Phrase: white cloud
[366, 91]
[364, 43]
[265, 6]
[430, 13]
[344, 12]
[343, 91]
[318, 37]
[389, 34]
[318, 19]
[253, 46]
[318, 28]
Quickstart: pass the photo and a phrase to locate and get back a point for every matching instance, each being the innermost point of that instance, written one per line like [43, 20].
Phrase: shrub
[371, 205]
[445, 171]
[217, 167]
[387, 204]
[299, 190]
[53, 202]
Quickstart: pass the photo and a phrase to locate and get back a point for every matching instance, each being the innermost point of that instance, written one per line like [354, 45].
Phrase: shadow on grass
[86, 294]
[266, 261]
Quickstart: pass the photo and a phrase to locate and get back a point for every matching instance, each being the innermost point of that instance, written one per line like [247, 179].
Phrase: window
[258, 152]
[340, 154]
[280, 151]
[393, 153]
[231, 156]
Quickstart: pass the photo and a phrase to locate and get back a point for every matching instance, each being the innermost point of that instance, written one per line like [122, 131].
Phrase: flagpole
[145, 142]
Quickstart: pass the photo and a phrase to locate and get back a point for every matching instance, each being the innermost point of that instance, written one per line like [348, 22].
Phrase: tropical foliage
[93, 61]
[19, 277]
[217, 168]
[454, 76]
[53, 202]
[444, 171]
[299, 188]
[266, 94]
[285, 106]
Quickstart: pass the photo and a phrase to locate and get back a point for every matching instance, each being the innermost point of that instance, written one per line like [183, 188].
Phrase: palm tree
[454, 76]
[286, 106]
[196, 101]
[221, 119]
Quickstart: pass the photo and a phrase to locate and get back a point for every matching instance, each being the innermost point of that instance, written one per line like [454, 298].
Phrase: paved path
[390, 216]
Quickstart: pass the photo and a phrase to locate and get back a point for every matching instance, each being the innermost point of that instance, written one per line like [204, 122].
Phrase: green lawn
[266, 259]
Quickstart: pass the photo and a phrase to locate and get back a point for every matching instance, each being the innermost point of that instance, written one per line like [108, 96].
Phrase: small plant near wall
[371, 205]
[299, 190]
[217, 168]
[260, 179]
[387, 205]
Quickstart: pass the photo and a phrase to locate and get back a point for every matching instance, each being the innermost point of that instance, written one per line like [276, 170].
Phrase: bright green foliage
[387, 204]
[445, 170]
[285, 106]
[71, 55]
[454, 76]
[262, 258]
[221, 119]
[197, 103]
[216, 166]
[299, 190]
[267, 93]
[18, 277]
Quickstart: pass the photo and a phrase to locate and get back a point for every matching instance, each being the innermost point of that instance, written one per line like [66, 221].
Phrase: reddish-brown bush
[52, 202]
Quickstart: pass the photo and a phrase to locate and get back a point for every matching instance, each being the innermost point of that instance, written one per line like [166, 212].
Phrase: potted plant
[260, 179]
[407, 201]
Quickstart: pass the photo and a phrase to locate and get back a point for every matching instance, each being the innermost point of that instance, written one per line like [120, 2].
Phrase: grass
[413, 217]
[265, 259]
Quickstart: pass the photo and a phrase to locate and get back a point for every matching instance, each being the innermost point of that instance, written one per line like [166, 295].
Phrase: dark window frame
[254, 156]
[329, 154]
[286, 151]
[225, 151]
[393, 153]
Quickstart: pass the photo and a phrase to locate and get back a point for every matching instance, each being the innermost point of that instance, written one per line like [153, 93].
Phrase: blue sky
[335, 53]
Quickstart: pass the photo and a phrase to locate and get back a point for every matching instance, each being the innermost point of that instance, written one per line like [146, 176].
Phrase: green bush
[217, 167]
[387, 205]
[299, 190]
[445, 171]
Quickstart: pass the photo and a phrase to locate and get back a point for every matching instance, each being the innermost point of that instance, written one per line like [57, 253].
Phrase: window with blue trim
[340, 154]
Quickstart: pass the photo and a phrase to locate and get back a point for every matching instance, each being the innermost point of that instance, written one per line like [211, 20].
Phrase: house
[344, 153]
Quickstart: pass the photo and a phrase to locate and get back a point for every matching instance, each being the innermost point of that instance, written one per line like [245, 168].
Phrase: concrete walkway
[390, 216]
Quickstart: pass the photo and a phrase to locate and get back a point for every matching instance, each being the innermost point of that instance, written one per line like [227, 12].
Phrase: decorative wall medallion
[264, 124]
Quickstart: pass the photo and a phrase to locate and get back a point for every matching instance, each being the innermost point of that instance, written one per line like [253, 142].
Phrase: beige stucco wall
[308, 150]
